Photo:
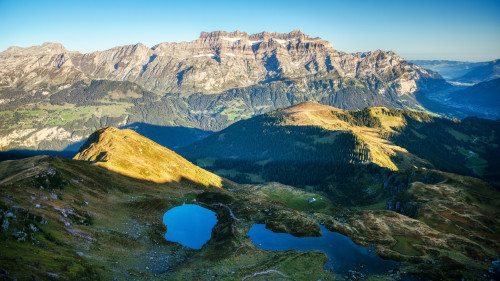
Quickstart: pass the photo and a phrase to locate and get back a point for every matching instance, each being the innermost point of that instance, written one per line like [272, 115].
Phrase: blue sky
[455, 30]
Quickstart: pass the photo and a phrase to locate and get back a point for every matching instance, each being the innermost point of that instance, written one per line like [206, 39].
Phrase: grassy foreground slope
[88, 223]
[67, 219]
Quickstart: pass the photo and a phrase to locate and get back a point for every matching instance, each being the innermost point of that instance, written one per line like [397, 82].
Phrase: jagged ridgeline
[52, 98]
[355, 156]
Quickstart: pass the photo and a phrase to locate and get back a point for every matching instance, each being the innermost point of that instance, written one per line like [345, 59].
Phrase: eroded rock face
[214, 62]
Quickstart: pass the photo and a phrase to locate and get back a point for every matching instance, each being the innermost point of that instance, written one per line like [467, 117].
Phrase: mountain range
[208, 83]
[483, 97]
[473, 90]
[484, 72]
[462, 71]
[448, 69]
[215, 62]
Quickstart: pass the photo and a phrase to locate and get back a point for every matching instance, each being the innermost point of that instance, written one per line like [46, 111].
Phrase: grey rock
[33, 228]
[214, 62]
[5, 224]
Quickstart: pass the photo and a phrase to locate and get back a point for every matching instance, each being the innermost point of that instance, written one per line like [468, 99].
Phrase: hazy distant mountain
[484, 72]
[53, 98]
[448, 69]
[482, 97]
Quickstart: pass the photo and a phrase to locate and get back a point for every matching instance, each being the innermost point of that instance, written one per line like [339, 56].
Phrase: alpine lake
[191, 226]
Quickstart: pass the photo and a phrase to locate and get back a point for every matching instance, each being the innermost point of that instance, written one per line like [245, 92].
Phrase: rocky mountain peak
[53, 48]
[222, 34]
[46, 48]
[296, 34]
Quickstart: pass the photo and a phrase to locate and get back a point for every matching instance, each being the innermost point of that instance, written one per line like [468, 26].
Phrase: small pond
[189, 225]
[344, 254]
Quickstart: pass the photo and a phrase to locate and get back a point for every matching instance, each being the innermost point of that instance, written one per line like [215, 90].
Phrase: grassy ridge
[128, 153]
[346, 153]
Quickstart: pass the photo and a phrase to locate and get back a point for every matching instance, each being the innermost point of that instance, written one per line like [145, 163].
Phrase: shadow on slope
[25, 153]
[262, 149]
[468, 147]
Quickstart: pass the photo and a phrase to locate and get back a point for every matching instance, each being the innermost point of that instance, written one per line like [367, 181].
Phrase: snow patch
[254, 42]
[281, 41]
[204, 55]
[231, 39]
[230, 54]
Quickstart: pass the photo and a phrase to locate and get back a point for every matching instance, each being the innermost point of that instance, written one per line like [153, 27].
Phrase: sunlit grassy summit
[128, 153]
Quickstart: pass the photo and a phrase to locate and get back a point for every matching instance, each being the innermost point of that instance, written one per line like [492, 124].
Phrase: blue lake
[344, 254]
[189, 225]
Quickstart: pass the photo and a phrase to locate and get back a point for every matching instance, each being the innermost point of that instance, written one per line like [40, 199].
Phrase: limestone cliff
[214, 62]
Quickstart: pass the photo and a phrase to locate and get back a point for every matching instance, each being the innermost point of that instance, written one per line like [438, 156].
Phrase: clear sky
[419, 29]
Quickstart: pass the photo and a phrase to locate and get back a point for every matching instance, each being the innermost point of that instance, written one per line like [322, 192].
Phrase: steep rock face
[215, 62]
[38, 66]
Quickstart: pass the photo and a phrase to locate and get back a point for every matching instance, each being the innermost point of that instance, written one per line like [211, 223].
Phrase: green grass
[232, 113]
[420, 136]
[474, 161]
[458, 135]
[330, 138]
[297, 199]
[225, 173]
[382, 205]
[404, 246]
[256, 178]
[63, 114]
